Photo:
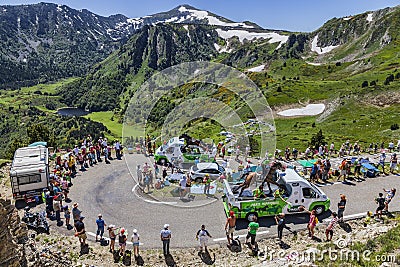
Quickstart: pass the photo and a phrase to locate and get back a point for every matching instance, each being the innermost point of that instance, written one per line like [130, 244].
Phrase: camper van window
[29, 179]
[309, 193]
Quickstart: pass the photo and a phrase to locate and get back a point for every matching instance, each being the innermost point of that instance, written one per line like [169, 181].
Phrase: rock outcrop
[13, 233]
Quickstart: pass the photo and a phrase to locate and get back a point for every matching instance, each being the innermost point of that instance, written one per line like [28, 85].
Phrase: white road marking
[322, 185]
[349, 217]
[175, 204]
[240, 236]
[151, 201]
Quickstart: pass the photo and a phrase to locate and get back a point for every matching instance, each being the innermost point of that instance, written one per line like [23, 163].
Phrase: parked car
[198, 171]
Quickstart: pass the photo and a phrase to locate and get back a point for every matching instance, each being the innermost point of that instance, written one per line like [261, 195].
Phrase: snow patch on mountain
[246, 35]
[314, 63]
[309, 110]
[212, 20]
[321, 50]
[369, 17]
[222, 49]
[257, 69]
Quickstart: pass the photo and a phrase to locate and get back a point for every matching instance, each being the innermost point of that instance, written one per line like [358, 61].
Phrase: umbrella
[38, 144]
[307, 163]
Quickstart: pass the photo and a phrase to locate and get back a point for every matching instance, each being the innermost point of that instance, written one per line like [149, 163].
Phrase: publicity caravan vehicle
[298, 192]
[177, 150]
[29, 173]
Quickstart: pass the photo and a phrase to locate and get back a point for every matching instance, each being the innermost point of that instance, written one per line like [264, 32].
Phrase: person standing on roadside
[122, 241]
[164, 173]
[331, 225]
[76, 213]
[252, 232]
[135, 241]
[80, 231]
[67, 216]
[393, 163]
[202, 235]
[166, 238]
[100, 227]
[182, 184]
[280, 221]
[312, 222]
[382, 162]
[341, 207]
[343, 170]
[112, 236]
[389, 196]
[230, 226]
[326, 168]
[380, 200]
[357, 168]
[207, 183]
[139, 174]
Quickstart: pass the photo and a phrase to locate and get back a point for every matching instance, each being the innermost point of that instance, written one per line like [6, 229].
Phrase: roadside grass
[107, 119]
[353, 121]
[374, 252]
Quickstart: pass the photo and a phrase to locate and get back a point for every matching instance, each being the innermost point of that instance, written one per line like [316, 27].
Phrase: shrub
[394, 127]
[364, 84]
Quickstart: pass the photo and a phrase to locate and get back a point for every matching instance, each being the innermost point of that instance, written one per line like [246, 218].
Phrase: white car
[198, 171]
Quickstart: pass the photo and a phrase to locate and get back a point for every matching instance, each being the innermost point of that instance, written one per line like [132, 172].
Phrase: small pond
[72, 112]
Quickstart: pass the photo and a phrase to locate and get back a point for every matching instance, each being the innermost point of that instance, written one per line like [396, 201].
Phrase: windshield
[317, 190]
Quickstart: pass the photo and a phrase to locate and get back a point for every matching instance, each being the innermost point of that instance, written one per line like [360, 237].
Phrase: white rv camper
[29, 173]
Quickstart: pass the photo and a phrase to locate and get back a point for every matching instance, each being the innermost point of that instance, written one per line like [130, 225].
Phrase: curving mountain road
[107, 189]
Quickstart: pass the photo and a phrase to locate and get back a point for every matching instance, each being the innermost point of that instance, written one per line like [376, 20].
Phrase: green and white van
[176, 150]
[298, 192]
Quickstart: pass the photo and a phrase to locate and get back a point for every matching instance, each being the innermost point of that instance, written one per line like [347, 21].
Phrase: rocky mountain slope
[356, 37]
[44, 42]
[241, 45]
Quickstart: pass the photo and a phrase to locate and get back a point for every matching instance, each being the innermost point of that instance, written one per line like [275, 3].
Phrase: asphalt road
[107, 189]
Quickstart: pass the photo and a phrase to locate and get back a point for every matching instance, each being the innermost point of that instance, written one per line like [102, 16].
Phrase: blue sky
[293, 15]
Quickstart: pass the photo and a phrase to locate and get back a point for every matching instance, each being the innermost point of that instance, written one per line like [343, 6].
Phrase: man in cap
[100, 226]
[80, 230]
[165, 238]
[230, 226]
[202, 235]
[76, 213]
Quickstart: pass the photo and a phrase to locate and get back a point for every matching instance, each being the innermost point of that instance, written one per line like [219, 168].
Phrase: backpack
[316, 220]
[127, 258]
[116, 256]
[236, 245]
[104, 242]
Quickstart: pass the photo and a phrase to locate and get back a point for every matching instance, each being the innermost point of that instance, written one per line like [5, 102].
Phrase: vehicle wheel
[198, 180]
[250, 216]
[319, 209]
